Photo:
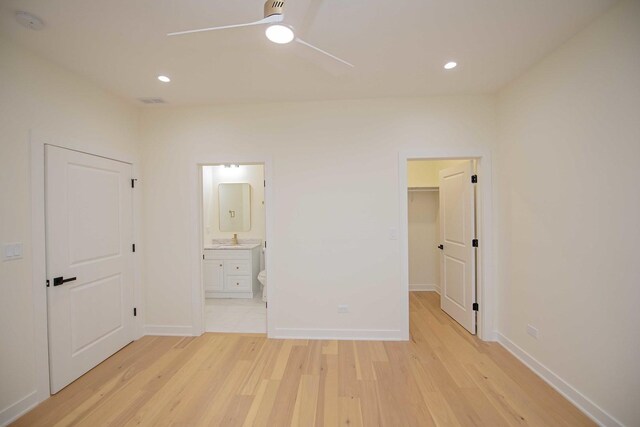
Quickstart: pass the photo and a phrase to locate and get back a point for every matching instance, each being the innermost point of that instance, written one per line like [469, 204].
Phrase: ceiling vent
[152, 100]
[29, 21]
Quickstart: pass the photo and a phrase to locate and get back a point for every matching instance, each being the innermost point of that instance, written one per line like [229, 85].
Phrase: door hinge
[135, 311]
[475, 306]
[474, 179]
[264, 183]
[265, 244]
[133, 182]
[133, 247]
[202, 256]
[48, 283]
[474, 243]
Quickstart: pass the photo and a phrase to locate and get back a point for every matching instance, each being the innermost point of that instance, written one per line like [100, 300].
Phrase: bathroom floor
[236, 315]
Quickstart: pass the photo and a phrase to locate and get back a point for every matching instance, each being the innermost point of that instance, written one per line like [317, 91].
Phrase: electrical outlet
[343, 308]
[532, 331]
[393, 234]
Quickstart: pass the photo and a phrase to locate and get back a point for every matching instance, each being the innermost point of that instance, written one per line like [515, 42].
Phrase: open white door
[457, 231]
[89, 223]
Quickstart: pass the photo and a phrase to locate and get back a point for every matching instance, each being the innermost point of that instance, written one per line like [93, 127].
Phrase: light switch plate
[12, 251]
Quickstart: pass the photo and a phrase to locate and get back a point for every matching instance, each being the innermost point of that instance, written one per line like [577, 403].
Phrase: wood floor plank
[263, 410]
[327, 413]
[330, 347]
[347, 369]
[350, 413]
[313, 364]
[369, 407]
[304, 412]
[433, 398]
[404, 386]
[224, 399]
[283, 407]
[442, 376]
[262, 368]
[237, 411]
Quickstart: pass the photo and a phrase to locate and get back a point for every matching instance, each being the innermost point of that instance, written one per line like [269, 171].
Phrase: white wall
[335, 198]
[426, 173]
[567, 171]
[35, 95]
[424, 256]
[216, 175]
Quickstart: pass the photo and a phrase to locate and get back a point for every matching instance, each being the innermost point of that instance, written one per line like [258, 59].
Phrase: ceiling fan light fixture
[280, 34]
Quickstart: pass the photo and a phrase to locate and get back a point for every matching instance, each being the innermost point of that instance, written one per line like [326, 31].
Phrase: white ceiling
[397, 46]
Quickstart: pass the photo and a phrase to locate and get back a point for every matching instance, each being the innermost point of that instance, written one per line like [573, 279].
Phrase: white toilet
[262, 276]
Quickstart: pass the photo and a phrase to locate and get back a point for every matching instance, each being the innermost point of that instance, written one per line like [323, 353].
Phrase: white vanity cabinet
[231, 273]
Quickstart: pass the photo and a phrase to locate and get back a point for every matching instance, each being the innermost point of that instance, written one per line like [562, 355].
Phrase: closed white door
[89, 223]
[457, 232]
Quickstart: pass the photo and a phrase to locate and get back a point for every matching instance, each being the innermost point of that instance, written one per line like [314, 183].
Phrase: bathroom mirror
[234, 202]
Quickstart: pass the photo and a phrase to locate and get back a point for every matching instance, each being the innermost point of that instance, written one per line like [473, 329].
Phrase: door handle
[57, 281]
[441, 247]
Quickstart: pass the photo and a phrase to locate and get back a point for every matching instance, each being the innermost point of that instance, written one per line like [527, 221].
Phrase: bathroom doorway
[234, 248]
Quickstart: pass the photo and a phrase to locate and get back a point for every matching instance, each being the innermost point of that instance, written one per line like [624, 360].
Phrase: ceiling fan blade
[324, 52]
[268, 20]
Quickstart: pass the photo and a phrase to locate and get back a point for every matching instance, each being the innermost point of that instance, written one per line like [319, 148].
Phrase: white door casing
[89, 233]
[457, 231]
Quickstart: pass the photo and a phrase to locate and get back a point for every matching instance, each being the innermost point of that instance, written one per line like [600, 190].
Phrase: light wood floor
[443, 376]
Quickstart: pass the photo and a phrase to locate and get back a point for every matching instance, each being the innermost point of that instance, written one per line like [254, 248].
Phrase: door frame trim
[37, 142]
[485, 276]
[197, 240]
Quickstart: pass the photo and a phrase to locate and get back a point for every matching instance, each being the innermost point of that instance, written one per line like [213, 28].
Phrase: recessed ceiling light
[164, 79]
[450, 65]
[280, 34]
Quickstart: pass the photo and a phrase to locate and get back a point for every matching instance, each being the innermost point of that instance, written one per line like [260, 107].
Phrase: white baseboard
[339, 334]
[423, 288]
[21, 407]
[492, 336]
[169, 330]
[592, 410]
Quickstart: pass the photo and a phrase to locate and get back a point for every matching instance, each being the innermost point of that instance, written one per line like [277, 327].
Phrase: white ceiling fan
[277, 32]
